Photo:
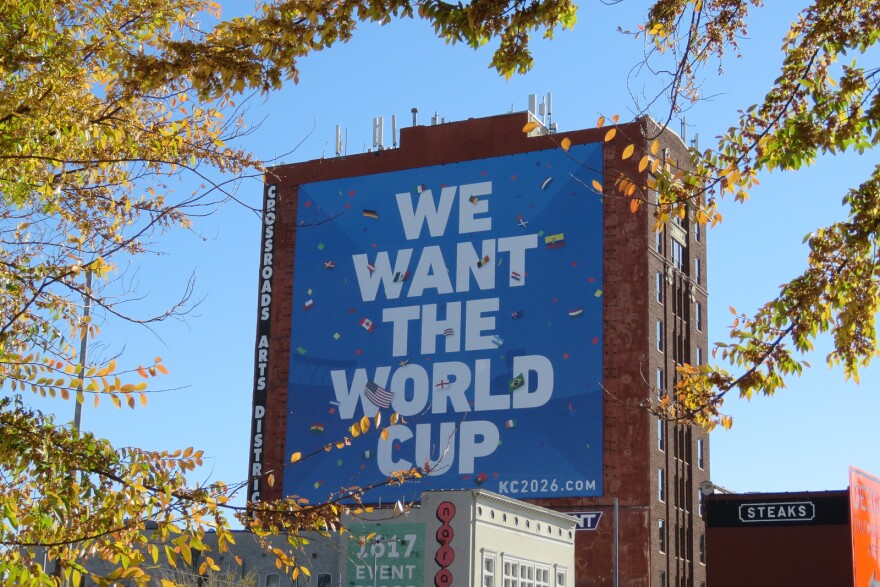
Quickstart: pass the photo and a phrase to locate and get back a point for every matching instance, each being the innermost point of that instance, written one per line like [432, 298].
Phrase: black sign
[829, 507]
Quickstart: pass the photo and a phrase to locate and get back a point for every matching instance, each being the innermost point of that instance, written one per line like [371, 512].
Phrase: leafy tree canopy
[102, 103]
[824, 101]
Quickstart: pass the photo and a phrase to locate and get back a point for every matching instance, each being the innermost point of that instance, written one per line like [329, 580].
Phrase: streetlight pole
[83, 346]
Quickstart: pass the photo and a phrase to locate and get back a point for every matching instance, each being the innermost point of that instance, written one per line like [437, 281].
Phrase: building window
[697, 231]
[702, 549]
[660, 286]
[698, 270]
[302, 580]
[660, 335]
[526, 575]
[677, 255]
[661, 580]
[661, 541]
[542, 576]
[561, 576]
[698, 314]
[699, 355]
[488, 569]
[661, 485]
[511, 573]
[325, 580]
[661, 435]
[700, 461]
[273, 580]
[659, 240]
[661, 384]
[682, 540]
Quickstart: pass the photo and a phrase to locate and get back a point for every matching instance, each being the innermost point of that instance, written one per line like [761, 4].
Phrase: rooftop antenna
[394, 130]
[684, 130]
[415, 113]
[379, 133]
[533, 105]
[338, 140]
[436, 118]
[550, 124]
[696, 142]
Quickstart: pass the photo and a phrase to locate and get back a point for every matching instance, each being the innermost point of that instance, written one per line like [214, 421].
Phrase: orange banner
[864, 502]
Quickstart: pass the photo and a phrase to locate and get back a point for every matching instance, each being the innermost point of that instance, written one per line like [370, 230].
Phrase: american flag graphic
[377, 395]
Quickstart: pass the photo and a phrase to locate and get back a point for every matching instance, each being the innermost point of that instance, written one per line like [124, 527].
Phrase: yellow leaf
[162, 369]
[295, 457]
[627, 153]
[130, 401]
[365, 424]
[384, 434]
[610, 134]
[643, 163]
[116, 401]
[597, 186]
[142, 372]
[655, 146]
[565, 144]
[530, 126]
[97, 400]
[271, 480]
[634, 205]
[377, 419]
[143, 399]
[601, 122]
[615, 118]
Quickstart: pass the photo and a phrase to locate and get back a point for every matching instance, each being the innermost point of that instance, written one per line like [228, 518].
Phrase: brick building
[643, 312]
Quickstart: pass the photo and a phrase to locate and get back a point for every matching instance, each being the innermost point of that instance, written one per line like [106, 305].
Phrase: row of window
[681, 448]
[516, 572]
[682, 545]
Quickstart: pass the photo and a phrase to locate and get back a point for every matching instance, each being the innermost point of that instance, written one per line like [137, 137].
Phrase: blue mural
[467, 298]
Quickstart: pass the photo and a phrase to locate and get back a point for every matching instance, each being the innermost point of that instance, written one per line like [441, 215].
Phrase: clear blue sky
[803, 439]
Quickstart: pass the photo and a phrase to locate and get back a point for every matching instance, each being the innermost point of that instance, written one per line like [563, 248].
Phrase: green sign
[386, 555]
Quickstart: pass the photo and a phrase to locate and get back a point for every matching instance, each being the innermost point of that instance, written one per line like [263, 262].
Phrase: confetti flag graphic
[517, 314]
[318, 428]
[371, 267]
[371, 214]
[448, 332]
[546, 183]
[497, 340]
[367, 324]
[420, 188]
[483, 261]
[517, 382]
[577, 312]
[400, 277]
[308, 305]
[515, 276]
[510, 424]
[474, 199]
[329, 265]
[554, 241]
[379, 396]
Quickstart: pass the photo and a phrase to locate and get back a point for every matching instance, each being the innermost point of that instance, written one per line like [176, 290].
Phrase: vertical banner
[261, 352]
[379, 559]
[864, 496]
[467, 298]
